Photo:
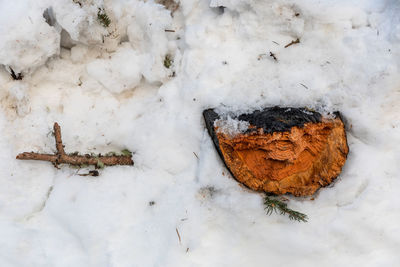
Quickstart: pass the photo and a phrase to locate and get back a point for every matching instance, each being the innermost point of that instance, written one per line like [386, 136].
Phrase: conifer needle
[275, 205]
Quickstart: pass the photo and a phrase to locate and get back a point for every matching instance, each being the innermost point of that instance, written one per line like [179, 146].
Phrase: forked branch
[75, 159]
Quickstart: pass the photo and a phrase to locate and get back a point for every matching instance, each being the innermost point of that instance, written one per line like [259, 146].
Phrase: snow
[113, 75]
[79, 20]
[109, 90]
[231, 126]
[21, 29]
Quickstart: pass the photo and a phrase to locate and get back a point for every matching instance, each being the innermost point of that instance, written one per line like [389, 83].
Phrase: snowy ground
[109, 90]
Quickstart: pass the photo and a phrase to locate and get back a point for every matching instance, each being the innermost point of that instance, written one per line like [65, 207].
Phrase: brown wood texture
[298, 161]
[284, 149]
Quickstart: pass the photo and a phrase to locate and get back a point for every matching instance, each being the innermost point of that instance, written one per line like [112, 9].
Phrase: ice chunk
[231, 126]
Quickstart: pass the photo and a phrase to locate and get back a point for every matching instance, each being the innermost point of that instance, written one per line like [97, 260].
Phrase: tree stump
[280, 150]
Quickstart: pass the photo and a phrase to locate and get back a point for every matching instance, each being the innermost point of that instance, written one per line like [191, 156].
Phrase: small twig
[75, 159]
[18, 76]
[196, 155]
[57, 136]
[42, 206]
[47, 198]
[303, 85]
[179, 236]
[273, 56]
[297, 41]
[169, 30]
[90, 173]
[77, 2]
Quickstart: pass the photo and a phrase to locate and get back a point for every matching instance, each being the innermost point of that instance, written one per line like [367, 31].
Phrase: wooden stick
[297, 41]
[57, 136]
[74, 159]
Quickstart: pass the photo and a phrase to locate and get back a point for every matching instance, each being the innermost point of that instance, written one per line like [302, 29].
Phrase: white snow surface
[109, 90]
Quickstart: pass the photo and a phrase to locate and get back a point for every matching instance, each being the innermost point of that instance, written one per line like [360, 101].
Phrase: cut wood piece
[281, 150]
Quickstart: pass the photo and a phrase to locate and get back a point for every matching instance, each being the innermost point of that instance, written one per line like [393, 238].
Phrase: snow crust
[27, 41]
[112, 75]
[109, 90]
[231, 126]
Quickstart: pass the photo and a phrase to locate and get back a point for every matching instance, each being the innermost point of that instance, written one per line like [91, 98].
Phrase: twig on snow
[15, 76]
[179, 236]
[273, 56]
[75, 159]
[304, 85]
[297, 41]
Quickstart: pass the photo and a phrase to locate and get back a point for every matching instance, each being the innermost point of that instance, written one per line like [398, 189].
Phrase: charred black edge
[210, 116]
[279, 119]
[345, 123]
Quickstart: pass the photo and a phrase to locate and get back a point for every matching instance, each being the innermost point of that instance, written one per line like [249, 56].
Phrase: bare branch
[297, 41]
[74, 159]
[57, 136]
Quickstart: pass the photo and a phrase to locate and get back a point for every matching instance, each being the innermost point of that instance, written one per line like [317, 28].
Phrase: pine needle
[126, 152]
[168, 61]
[100, 164]
[103, 18]
[277, 206]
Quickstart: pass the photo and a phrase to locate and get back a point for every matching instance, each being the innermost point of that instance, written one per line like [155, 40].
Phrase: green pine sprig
[168, 61]
[275, 205]
[103, 18]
